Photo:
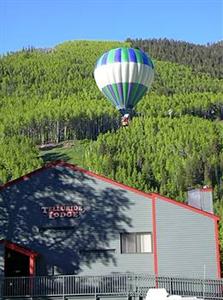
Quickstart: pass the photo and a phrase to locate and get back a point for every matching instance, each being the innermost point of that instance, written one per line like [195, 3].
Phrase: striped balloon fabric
[124, 75]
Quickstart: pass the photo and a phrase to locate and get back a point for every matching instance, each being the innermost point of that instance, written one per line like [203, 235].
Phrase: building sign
[63, 211]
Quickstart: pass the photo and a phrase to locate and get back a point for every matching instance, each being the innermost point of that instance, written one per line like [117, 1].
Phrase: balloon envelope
[124, 75]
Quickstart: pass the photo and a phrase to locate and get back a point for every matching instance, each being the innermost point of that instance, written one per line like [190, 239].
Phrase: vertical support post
[204, 281]
[95, 289]
[154, 236]
[63, 287]
[32, 265]
[127, 286]
[32, 271]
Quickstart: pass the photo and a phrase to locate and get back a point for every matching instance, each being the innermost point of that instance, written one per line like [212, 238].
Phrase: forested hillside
[174, 142]
[208, 59]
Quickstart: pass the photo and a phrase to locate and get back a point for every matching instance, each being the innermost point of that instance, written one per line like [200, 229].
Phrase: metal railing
[120, 285]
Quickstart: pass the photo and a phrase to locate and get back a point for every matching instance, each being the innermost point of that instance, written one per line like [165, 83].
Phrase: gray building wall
[140, 214]
[185, 242]
[75, 245]
[90, 243]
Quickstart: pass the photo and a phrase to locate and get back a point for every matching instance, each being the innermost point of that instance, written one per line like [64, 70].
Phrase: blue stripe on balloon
[104, 59]
[118, 55]
[130, 88]
[120, 93]
[140, 94]
[145, 58]
[132, 55]
[132, 94]
[135, 93]
[114, 98]
[150, 63]
[108, 95]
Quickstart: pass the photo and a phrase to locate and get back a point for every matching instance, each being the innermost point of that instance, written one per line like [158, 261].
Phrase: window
[139, 242]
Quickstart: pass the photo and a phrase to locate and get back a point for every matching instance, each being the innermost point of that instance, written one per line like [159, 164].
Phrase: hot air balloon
[124, 75]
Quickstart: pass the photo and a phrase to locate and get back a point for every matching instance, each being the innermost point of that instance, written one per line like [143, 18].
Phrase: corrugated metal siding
[110, 210]
[185, 242]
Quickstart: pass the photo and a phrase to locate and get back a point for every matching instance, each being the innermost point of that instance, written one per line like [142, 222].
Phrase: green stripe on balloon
[99, 61]
[138, 56]
[133, 93]
[115, 90]
[125, 88]
[127, 99]
[141, 92]
[125, 55]
[109, 96]
[137, 95]
[111, 56]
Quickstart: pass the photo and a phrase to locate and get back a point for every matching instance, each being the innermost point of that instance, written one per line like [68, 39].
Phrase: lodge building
[61, 219]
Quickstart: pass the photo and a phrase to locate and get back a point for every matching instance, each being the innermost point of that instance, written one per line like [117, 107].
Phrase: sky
[46, 23]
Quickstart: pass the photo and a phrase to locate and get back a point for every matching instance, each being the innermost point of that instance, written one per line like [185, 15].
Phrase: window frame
[135, 238]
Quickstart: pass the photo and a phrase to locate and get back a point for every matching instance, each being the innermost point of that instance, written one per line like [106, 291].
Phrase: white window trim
[135, 236]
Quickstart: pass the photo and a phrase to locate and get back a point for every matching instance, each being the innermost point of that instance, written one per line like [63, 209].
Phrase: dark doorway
[16, 264]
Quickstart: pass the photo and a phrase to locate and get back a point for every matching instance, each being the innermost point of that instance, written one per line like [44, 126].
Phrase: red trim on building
[155, 258]
[32, 265]
[24, 178]
[215, 219]
[111, 181]
[218, 259]
[25, 251]
[121, 185]
[18, 248]
[148, 195]
[184, 205]
[152, 196]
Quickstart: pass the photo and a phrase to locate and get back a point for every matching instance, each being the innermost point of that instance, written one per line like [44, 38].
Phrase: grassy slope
[72, 152]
